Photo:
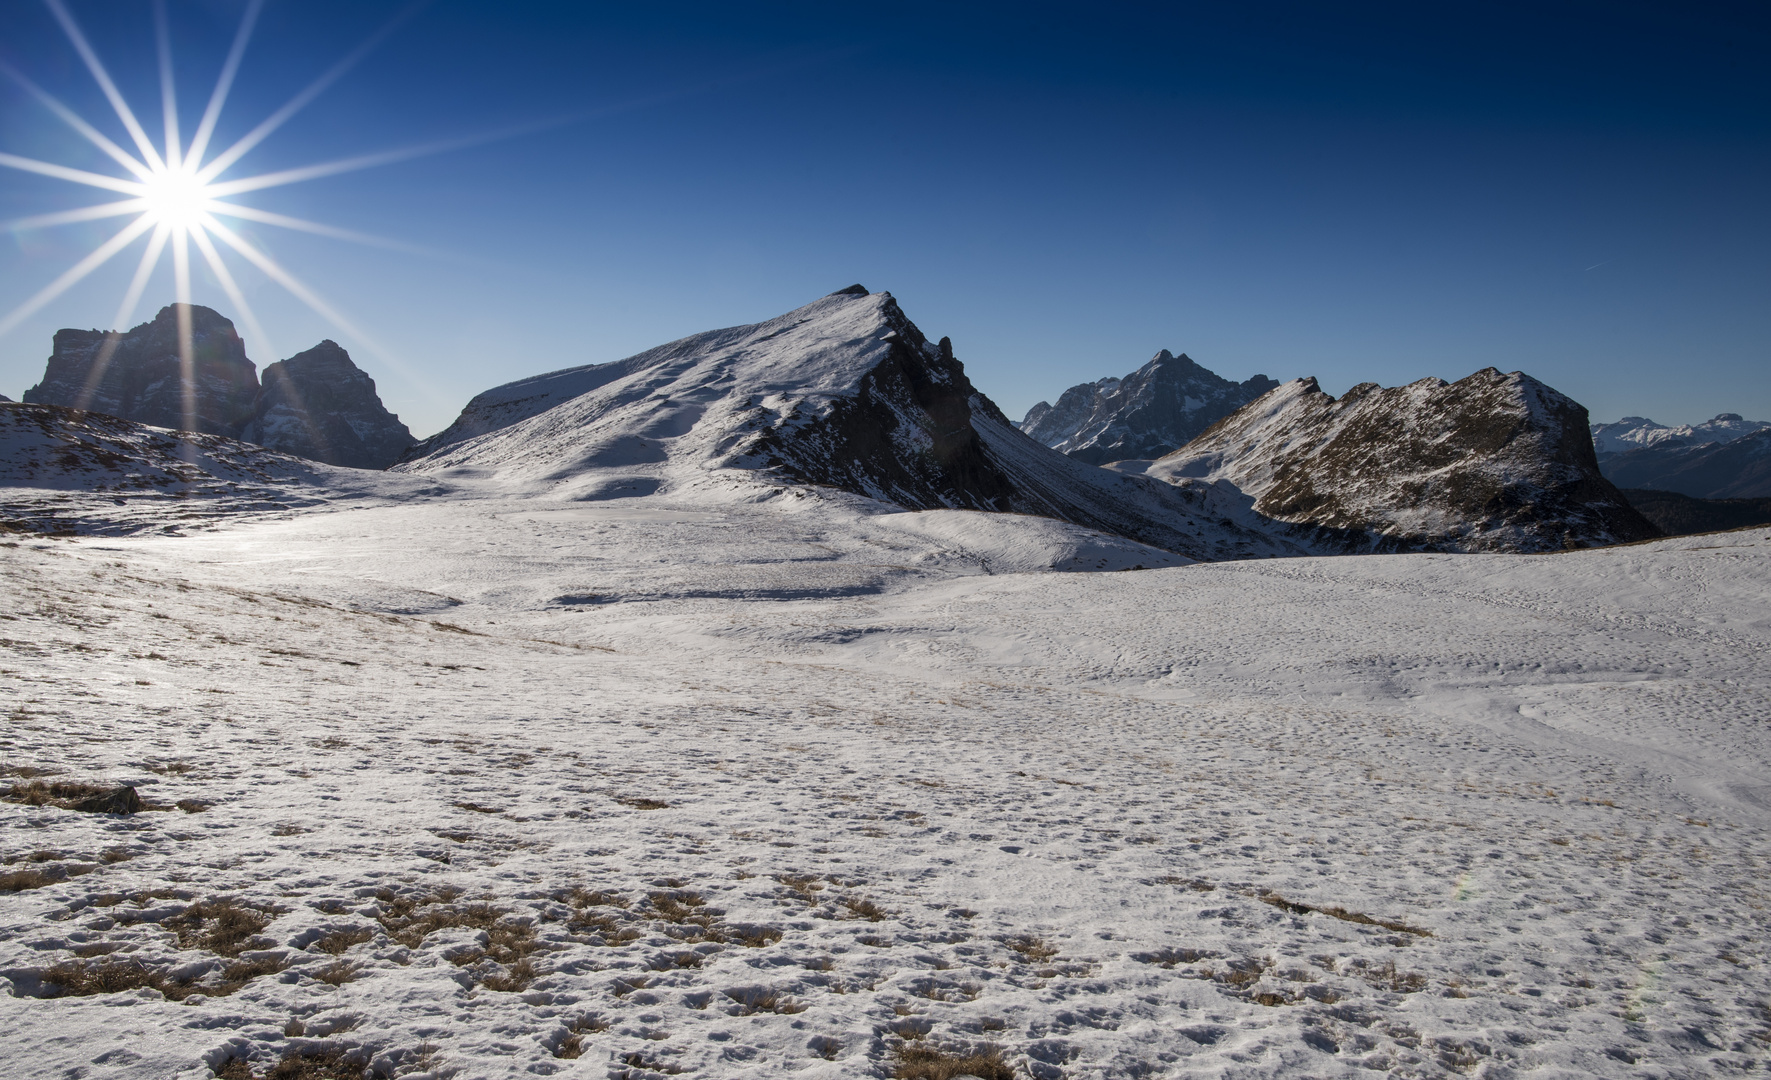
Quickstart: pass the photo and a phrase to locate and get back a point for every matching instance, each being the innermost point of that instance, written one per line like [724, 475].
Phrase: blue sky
[1357, 192]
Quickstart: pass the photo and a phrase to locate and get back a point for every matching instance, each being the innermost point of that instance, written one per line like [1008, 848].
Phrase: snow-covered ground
[745, 789]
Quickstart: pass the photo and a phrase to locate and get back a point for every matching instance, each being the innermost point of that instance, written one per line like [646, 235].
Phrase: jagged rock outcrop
[1153, 411]
[1737, 469]
[1492, 462]
[319, 405]
[1638, 432]
[140, 375]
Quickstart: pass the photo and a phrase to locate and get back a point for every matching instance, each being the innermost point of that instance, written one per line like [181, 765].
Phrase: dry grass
[572, 1045]
[340, 941]
[638, 803]
[1384, 976]
[224, 926]
[1031, 949]
[514, 978]
[1168, 958]
[408, 920]
[672, 961]
[802, 886]
[859, 907]
[753, 1000]
[641, 1061]
[477, 808]
[918, 1062]
[76, 978]
[193, 806]
[337, 973]
[581, 897]
[318, 1065]
[1342, 914]
[29, 878]
[77, 795]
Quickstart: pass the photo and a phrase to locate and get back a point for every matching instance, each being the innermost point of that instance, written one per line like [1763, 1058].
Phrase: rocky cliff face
[1492, 462]
[1151, 412]
[320, 405]
[140, 375]
[1736, 469]
[316, 405]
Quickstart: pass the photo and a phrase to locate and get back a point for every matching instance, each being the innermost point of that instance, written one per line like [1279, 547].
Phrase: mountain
[845, 393]
[1151, 412]
[1492, 462]
[1636, 432]
[1737, 469]
[318, 404]
[139, 375]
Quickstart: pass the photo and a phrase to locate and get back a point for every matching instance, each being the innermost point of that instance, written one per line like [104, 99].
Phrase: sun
[175, 193]
[177, 197]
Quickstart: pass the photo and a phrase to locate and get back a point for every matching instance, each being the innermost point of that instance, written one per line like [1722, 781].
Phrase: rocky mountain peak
[1146, 414]
[1493, 461]
[140, 374]
[319, 405]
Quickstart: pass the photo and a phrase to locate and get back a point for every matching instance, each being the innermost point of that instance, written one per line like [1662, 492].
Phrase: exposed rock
[140, 375]
[320, 405]
[77, 795]
[1153, 411]
[1492, 462]
[1737, 469]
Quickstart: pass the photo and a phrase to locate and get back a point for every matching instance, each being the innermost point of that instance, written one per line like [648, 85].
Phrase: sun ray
[78, 176]
[300, 101]
[200, 237]
[223, 84]
[168, 87]
[252, 213]
[81, 46]
[289, 281]
[229, 286]
[70, 217]
[150, 257]
[187, 351]
[76, 272]
[75, 121]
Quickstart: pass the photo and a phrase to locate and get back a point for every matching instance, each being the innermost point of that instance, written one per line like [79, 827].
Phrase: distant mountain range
[1724, 458]
[317, 404]
[1156, 409]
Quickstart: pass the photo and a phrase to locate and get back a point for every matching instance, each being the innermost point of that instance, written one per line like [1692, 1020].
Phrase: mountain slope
[1492, 462]
[1738, 469]
[844, 393]
[1151, 412]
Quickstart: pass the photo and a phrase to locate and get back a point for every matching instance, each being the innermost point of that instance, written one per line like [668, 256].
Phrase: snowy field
[487, 786]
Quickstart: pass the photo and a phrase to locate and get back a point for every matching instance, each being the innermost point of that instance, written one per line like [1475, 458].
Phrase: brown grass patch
[1031, 948]
[1384, 976]
[340, 941]
[410, 919]
[77, 795]
[30, 878]
[515, 977]
[753, 1000]
[337, 973]
[224, 926]
[1168, 958]
[637, 803]
[917, 1062]
[859, 907]
[477, 808]
[802, 886]
[193, 806]
[641, 1061]
[77, 978]
[317, 1065]
[1342, 914]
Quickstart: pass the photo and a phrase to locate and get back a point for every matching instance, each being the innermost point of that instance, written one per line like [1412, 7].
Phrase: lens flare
[176, 197]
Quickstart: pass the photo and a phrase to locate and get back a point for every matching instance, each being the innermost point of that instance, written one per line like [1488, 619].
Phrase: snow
[1551, 775]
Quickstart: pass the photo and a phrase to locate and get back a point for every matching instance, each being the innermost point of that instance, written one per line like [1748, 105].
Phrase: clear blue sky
[1379, 191]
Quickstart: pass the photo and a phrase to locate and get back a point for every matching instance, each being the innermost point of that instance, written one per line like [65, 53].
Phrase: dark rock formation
[140, 375]
[1738, 469]
[1681, 515]
[316, 405]
[1153, 411]
[1496, 462]
[320, 405]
